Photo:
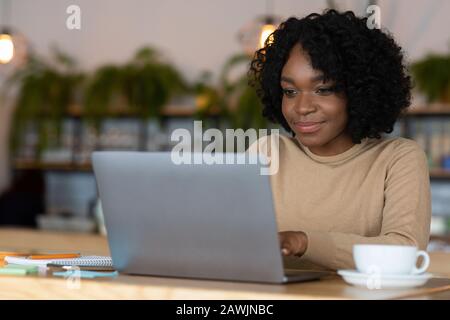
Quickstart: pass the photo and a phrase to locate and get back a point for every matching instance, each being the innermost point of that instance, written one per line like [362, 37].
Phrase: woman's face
[314, 111]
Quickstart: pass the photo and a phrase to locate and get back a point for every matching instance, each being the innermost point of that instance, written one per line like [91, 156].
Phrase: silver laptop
[190, 220]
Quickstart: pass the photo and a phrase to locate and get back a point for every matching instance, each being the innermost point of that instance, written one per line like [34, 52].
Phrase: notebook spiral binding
[85, 261]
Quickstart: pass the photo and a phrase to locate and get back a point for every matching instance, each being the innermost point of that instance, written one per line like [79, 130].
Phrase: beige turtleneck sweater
[375, 192]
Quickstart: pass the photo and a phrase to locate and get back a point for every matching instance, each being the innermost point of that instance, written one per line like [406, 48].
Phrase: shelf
[176, 111]
[432, 110]
[168, 111]
[63, 166]
[444, 238]
[435, 173]
[439, 173]
[190, 111]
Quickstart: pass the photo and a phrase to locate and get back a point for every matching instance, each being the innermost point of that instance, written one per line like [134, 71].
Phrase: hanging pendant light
[267, 29]
[253, 35]
[6, 47]
[6, 40]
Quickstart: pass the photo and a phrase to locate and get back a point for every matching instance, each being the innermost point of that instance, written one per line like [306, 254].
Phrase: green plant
[432, 75]
[207, 98]
[45, 93]
[233, 99]
[141, 87]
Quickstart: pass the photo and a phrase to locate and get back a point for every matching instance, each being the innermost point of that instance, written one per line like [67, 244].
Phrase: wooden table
[140, 287]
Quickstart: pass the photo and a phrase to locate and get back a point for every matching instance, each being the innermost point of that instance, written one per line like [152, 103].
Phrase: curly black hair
[366, 64]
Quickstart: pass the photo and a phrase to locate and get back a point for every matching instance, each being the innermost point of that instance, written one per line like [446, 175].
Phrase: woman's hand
[293, 243]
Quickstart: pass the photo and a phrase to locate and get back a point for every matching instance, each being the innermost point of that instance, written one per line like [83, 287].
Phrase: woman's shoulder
[402, 143]
[404, 150]
[398, 145]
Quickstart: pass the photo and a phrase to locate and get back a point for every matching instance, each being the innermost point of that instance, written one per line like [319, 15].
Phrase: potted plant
[232, 99]
[45, 93]
[140, 87]
[432, 75]
[208, 102]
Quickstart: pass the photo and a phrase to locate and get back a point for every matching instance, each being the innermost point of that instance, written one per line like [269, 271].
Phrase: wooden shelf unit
[52, 166]
[433, 110]
[173, 111]
[435, 173]
[169, 111]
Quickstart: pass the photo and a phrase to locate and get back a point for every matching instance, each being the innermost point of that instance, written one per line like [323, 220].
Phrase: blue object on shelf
[446, 162]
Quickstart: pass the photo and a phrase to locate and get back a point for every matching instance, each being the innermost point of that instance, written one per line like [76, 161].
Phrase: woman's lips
[308, 127]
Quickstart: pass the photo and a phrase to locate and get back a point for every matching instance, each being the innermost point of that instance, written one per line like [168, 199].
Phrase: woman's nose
[304, 104]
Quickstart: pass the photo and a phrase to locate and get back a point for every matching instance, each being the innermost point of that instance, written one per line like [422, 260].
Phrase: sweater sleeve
[406, 213]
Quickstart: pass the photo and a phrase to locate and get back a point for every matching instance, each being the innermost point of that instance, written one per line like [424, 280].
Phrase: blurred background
[84, 75]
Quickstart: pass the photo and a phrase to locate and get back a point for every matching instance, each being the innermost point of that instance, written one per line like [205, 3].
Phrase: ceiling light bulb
[6, 48]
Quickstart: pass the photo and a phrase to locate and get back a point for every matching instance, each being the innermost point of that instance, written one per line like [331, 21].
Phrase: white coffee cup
[389, 259]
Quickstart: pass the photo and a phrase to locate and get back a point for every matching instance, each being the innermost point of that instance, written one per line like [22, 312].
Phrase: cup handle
[425, 262]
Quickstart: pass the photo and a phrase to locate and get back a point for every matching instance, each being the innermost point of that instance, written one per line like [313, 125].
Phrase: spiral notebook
[83, 261]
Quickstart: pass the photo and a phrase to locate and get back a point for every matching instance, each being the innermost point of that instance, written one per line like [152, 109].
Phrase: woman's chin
[309, 141]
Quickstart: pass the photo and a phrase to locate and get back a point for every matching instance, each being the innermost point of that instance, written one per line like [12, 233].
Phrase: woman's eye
[325, 91]
[288, 92]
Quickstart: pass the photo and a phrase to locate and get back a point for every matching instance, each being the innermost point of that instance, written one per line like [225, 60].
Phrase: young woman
[336, 85]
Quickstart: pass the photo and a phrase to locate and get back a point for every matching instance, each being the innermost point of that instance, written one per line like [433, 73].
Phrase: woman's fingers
[285, 244]
[292, 242]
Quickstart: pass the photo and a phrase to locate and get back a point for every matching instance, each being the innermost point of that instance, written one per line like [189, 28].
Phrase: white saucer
[375, 281]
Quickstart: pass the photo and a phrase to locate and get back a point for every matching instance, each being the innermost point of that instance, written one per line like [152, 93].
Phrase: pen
[54, 256]
[11, 254]
[4, 254]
